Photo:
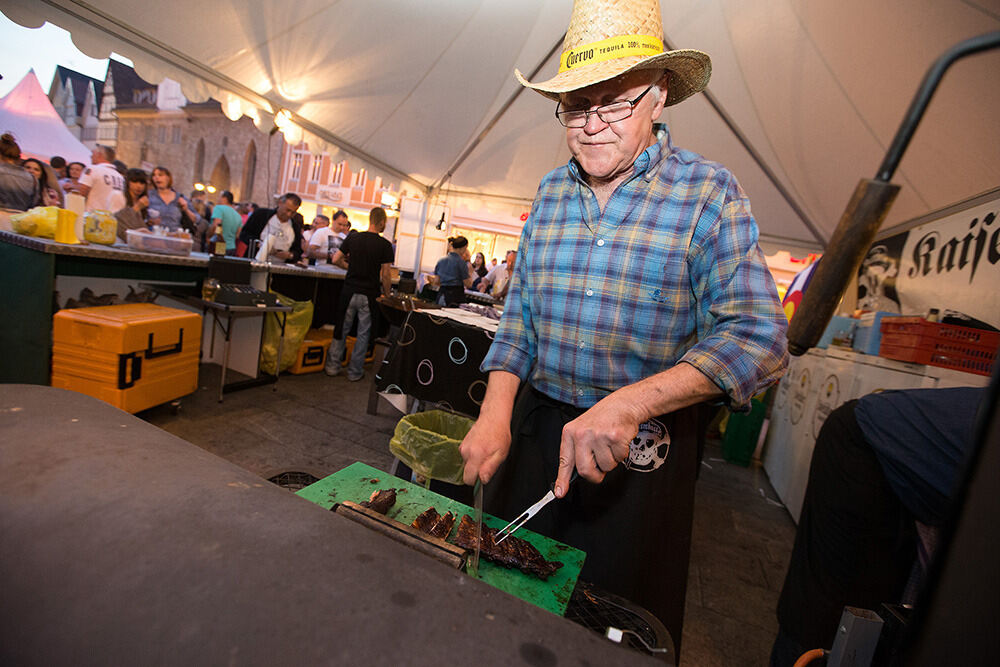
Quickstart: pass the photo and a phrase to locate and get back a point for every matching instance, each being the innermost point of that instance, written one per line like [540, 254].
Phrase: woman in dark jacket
[18, 189]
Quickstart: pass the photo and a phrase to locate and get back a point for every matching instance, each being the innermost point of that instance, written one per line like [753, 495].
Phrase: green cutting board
[357, 482]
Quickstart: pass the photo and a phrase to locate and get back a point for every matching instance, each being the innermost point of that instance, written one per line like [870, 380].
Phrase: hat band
[611, 48]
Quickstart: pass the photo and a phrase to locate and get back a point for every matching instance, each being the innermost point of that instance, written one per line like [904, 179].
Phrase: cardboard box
[868, 332]
[840, 332]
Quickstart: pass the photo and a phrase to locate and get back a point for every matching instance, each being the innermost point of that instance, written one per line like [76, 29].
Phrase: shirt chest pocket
[657, 289]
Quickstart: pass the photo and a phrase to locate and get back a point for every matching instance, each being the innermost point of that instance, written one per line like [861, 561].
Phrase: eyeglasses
[609, 113]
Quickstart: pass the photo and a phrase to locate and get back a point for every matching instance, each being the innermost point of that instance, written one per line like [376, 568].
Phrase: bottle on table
[217, 244]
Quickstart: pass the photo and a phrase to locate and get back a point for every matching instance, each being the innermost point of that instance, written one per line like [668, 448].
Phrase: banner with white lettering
[950, 264]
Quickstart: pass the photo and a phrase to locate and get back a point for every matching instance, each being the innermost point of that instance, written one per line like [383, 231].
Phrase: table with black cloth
[436, 359]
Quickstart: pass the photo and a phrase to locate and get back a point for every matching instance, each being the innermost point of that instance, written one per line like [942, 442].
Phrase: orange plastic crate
[916, 340]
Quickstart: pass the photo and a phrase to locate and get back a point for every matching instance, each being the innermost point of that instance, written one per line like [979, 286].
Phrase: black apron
[635, 526]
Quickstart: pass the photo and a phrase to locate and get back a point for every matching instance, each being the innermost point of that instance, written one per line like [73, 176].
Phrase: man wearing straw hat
[640, 291]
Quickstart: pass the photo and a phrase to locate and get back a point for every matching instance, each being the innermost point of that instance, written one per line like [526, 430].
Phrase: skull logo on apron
[648, 449]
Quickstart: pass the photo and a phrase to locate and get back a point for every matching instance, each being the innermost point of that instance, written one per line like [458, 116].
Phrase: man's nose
[594, 123]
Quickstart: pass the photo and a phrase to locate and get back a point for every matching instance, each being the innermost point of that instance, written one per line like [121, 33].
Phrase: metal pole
[865, 212]
[928, 86]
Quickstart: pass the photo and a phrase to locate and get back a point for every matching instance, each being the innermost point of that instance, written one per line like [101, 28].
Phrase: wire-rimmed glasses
[609, 113]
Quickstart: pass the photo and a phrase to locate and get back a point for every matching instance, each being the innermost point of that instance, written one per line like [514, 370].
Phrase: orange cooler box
[312, 353]
[133, 356]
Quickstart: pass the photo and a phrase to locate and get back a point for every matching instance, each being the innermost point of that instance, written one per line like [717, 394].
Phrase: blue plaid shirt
[670, 272]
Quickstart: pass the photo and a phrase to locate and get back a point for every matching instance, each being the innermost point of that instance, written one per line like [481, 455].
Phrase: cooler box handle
[313, 356]
[172, 349]
[123, 359]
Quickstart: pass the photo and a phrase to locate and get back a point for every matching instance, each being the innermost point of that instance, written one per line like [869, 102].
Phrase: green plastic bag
[296, 328]
[428, 443]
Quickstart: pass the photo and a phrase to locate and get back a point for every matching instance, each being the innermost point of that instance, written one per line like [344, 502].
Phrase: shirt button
[579, 392]
[600, 242]
[582, 344]
[590, 292]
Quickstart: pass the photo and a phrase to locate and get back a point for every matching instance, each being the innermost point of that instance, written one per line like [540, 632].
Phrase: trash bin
[428, 443]
[742, 433]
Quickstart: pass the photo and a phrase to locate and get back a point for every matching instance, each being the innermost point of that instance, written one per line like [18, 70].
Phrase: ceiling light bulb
[283, 118]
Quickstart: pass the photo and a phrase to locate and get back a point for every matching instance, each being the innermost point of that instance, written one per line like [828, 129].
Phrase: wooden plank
[434, 547]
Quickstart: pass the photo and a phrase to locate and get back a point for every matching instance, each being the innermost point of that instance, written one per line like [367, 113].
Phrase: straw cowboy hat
[607, 38]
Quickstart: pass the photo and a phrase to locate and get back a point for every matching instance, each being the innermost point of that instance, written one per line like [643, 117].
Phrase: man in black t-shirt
[368, 258]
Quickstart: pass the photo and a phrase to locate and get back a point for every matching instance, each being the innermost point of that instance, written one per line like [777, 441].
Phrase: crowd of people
[457, 271]
[145, 200]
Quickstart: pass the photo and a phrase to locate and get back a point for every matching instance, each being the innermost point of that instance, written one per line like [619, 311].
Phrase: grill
[589, 606]
[292, 480]
[597, 610]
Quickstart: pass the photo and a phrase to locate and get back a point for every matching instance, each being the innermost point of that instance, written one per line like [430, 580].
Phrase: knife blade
[478, 492]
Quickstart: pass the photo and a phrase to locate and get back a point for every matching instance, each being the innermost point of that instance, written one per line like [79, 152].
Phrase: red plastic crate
[916, 340]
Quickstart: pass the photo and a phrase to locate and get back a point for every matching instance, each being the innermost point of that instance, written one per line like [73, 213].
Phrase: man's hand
[596, 441]
[488, 442]
[485, 448]
[283, 254]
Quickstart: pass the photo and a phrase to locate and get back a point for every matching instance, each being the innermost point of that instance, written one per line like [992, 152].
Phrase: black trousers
[454, 295]
[635, 527]
[855, 544]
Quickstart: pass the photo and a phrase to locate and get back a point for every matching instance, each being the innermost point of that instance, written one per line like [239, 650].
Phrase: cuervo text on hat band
[610, 49]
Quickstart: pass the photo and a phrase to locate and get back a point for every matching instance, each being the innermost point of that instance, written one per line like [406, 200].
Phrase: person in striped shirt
[640, 291]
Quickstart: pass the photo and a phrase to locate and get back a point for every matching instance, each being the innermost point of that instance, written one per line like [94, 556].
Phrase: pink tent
[27, 113]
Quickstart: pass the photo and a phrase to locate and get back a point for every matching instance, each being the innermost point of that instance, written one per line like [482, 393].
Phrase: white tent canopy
[816, 88]
[28, 115]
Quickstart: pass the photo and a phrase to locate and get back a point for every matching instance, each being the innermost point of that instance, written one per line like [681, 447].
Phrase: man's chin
[597, 164]
[601, 171]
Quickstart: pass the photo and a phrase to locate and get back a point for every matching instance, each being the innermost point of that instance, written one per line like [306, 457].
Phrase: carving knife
[478, 492]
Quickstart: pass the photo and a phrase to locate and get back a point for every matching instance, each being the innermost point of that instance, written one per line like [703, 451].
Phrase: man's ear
[661, 101]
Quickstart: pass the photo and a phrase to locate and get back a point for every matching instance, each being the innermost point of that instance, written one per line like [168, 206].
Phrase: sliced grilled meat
[434, 524]
[512, 552]
[381, 500]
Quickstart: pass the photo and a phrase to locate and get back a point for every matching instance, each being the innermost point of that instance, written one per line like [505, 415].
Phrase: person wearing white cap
[639, 292]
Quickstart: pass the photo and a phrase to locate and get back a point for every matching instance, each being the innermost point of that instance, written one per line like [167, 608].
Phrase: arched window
[220, 174]
[199, 162]
[249, 171]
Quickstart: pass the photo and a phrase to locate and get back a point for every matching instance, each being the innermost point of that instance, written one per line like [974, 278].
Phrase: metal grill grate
[597, 610]
[293, 481]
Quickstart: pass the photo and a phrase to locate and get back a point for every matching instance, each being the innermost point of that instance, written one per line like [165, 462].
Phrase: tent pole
[417, 263]
[758, 158]
[496, 117]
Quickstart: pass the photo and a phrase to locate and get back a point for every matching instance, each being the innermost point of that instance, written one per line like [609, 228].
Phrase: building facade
[76, 98]
[152, 125]
[327, 183]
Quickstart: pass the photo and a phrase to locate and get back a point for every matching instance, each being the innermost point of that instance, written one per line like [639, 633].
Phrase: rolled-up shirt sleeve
[515, 345]
[742, 344]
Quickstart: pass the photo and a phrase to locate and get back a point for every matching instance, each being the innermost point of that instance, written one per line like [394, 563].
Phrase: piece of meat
[434, 524]
[512, 552]
[381, 500]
